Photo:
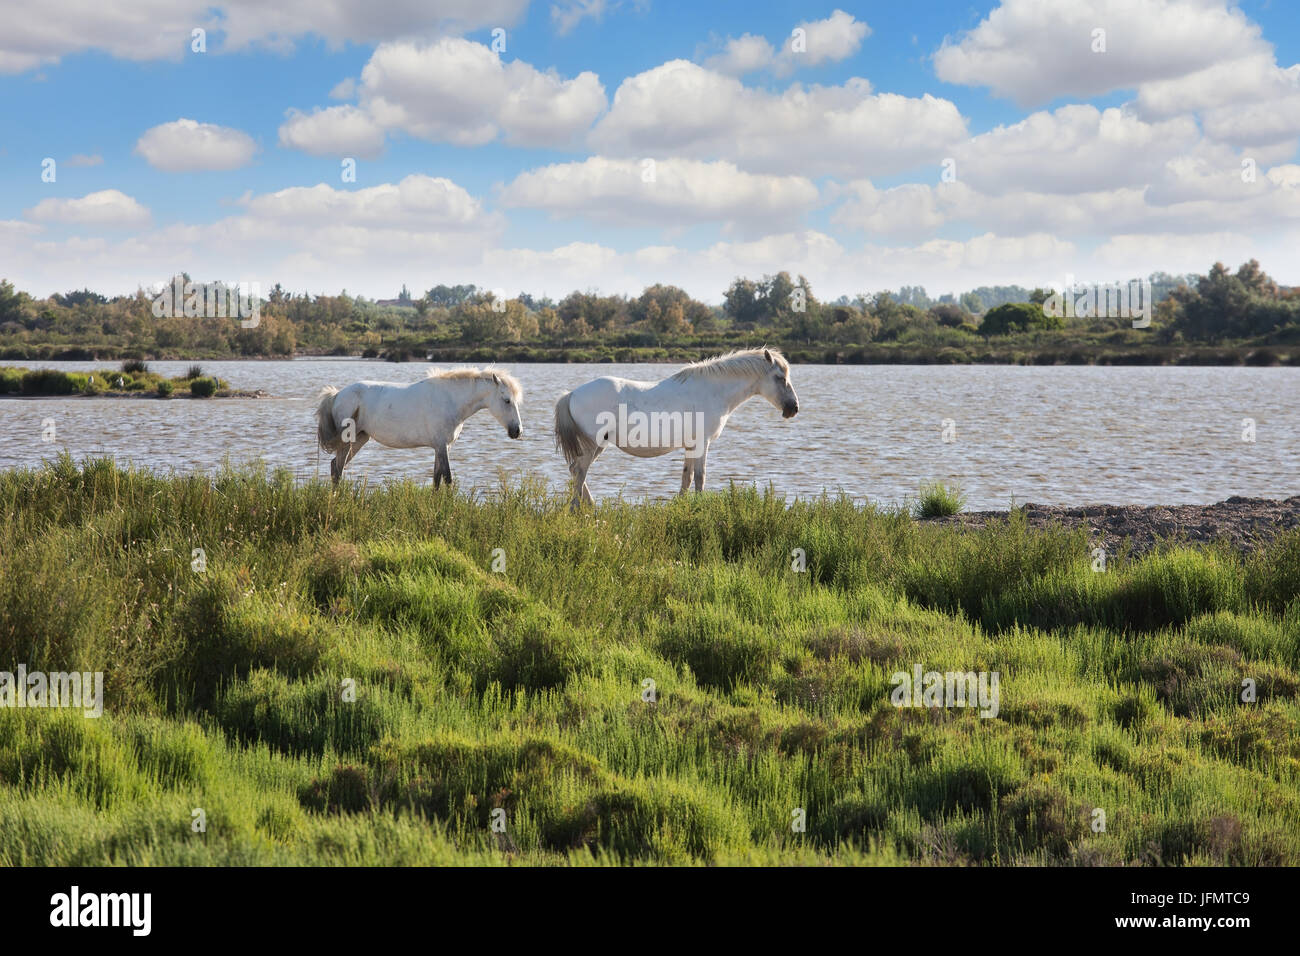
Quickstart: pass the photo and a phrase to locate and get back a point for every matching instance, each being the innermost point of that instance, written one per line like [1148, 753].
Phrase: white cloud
[1248, 102]
[836, 38]
[39, 32]
[108, 207]
[453, 91]
[430, 204]
[1144, 253]
[1193, 193]
[682, 192]
[320, 238]
[335, 131]
[567, 14]
[1073, 149]
[683, 109]
[741, 55]
[1034, 51]
[185, 145]
[363, 21]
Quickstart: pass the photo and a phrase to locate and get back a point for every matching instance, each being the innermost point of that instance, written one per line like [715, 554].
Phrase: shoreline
[1247, 524]
[228, 393]
[1156, 356]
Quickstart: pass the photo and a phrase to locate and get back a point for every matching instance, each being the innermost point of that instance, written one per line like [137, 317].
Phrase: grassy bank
[132, 379]
[522, 690]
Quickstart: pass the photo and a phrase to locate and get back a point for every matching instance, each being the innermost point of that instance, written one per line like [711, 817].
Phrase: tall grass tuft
[937, 500]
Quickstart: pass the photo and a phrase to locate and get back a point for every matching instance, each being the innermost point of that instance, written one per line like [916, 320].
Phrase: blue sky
[525, 168]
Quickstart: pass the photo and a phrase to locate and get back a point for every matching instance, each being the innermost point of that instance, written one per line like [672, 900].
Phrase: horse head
[504, 403]
[775, 384]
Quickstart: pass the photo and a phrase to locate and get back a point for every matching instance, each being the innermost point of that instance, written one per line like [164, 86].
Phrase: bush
[48, 381]
[194, 371]
[165, 389]
[203, 387]
[135, 365]
[938, 500]
[1018, 317]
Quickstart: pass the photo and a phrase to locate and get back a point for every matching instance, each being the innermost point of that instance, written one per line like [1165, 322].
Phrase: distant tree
[1224, 305]
[588, 311]
[952, 316]
[479, 323]
[11, 303]
[1014, 317]
[914, 295]
[667, 310]
[450, 296]
[743, 303]
[80, 297]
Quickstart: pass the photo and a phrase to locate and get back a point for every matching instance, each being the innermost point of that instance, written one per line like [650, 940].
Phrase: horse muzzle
[790, 410]
[514, 431]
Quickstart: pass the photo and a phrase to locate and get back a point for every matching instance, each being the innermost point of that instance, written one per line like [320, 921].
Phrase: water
[1047, 435]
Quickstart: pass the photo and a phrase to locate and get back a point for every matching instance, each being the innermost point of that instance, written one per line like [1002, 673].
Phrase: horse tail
[327, 432]
[569, 438]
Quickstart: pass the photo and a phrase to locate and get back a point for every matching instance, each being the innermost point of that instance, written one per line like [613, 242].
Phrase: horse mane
[737, 363]
[480, 374]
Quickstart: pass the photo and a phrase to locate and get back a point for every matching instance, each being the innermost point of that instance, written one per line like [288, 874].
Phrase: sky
[607, 145]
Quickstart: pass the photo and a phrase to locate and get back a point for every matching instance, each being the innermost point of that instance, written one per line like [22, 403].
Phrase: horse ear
[495, 379]
[767, 355]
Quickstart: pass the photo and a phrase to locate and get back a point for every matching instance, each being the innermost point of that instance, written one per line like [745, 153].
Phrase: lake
[1065, 435]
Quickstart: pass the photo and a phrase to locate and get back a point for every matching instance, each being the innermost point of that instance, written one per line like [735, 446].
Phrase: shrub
[203, 387]
[194, 371]
[165, 389]
[48, 381]
[1018, 317]
[135, 365]
[938, 500]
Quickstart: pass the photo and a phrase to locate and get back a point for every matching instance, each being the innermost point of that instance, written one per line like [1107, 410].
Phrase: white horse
[648, 419]
[425, 414]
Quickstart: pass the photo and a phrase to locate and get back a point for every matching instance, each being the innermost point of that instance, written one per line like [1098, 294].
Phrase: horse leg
[699, 468]
[579, 468]
[580, 492]
[442, 467]
[687, 469]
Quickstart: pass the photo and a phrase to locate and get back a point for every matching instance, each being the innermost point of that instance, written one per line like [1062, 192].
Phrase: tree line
[1223, 306]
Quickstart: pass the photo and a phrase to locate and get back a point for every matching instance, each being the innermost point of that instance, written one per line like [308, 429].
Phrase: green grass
[524, 691]
[937, 500]
[107, 381]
